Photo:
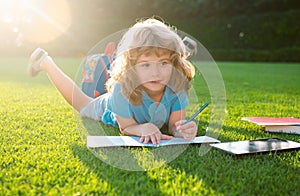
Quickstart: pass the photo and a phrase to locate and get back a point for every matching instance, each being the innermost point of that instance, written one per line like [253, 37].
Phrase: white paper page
[109, 141]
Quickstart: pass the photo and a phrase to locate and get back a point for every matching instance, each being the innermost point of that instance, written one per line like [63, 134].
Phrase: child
[148, 87]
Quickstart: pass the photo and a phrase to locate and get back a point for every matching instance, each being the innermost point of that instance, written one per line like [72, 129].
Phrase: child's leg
[65, 85]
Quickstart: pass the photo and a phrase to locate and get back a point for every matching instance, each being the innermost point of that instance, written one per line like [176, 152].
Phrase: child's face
[154, 71]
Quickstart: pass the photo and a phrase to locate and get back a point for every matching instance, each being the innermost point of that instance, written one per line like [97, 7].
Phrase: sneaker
[35, 61]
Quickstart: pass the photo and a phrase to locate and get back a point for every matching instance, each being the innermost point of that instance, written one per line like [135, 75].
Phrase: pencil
[196, 113]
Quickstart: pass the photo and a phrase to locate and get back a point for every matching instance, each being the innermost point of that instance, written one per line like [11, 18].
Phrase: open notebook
[257, 146]
[112, 141]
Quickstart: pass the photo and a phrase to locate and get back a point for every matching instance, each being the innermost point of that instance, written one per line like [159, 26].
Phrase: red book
[282, 125]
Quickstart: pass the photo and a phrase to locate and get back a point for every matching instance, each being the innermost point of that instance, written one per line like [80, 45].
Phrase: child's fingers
[189, 136]
[142, 139]
[190, 125]
[158, 136]
[154, 139]
[145, 139]
[166, 137]
[189, 133]
[189, 130]
[178, 123]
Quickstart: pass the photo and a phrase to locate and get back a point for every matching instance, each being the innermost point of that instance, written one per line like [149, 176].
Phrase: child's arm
[187, 131]
[147, 131]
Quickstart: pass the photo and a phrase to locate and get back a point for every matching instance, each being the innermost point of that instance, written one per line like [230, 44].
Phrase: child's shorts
[95, 109]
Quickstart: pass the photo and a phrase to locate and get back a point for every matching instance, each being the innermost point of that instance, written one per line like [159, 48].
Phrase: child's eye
[144, 64]
[164, 63]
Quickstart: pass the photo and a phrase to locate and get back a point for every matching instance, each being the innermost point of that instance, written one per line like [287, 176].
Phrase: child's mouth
[155, 82]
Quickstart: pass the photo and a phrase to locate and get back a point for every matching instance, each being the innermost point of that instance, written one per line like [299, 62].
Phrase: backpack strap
[110, 49]
[101, 75]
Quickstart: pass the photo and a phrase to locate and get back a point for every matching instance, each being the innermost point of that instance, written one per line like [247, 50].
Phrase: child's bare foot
[36, 58]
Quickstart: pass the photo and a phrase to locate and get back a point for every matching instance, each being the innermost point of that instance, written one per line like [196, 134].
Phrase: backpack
[96, 72]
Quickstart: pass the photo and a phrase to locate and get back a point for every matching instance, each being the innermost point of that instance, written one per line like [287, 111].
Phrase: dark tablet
[257, 146]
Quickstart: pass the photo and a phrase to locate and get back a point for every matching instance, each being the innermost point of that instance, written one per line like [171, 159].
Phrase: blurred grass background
[232, 30]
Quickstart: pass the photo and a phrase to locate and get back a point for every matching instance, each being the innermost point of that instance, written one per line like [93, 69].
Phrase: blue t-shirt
[148, 111]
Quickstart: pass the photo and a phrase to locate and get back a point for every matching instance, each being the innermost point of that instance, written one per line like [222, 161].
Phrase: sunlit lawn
[42, 151]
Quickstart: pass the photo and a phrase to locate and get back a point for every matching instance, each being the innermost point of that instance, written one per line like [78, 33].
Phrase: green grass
[42, 150]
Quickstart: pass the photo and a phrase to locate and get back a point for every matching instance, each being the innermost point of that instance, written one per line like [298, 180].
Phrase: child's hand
[187, 131]
[153, 134]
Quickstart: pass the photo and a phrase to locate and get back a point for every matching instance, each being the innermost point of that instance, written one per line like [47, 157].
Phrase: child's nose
[155, 71]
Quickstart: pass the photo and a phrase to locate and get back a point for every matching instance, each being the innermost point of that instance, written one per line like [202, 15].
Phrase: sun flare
[35, 21]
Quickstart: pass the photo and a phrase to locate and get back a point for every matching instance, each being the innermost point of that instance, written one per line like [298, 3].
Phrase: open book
[113, 141]
[281, 125]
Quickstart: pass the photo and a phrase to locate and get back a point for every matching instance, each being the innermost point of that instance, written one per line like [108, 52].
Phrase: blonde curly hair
[150, 36]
